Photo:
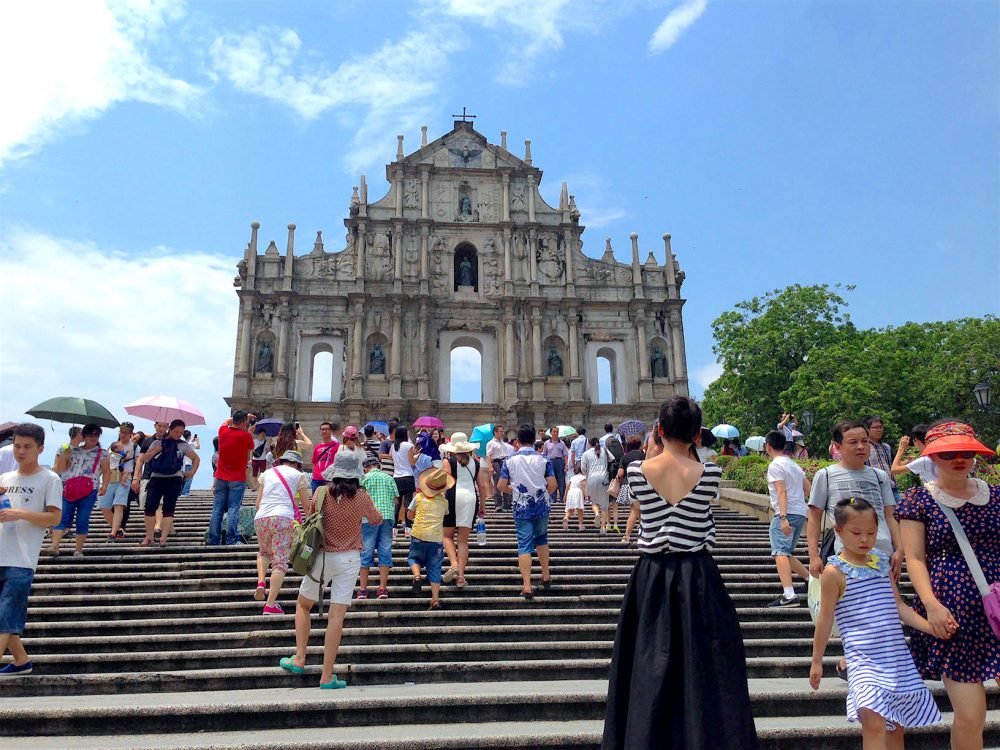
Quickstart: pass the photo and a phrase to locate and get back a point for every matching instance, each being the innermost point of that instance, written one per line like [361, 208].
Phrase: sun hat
[370, 461]
[953, 436]
[799, 440]
[346, 465]
[459, 443]
[351, 433]
[434, 481]
[293, 456]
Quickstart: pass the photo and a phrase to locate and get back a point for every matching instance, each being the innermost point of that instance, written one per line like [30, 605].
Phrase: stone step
[267, 710]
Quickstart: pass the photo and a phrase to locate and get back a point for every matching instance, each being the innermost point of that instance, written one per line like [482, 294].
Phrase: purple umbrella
[429, 423]
[271, 426]
[632, 427]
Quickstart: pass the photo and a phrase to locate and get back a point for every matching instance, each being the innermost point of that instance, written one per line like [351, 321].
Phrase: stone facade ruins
[461, 251]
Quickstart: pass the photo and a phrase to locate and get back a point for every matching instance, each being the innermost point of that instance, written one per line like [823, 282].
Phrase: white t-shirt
[401, 466]
[784, 469]
[706, 454]
[925, 468]
[274, 498]
[7, 462]
[20, 541]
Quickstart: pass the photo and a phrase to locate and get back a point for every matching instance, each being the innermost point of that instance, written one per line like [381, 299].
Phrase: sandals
[527, 594]
[450, 575]
[146, 542]
[288, 663]
[435, 605]
[546, 584]
[841, 672]
[461, 582]
[334, 684]
[416, 583]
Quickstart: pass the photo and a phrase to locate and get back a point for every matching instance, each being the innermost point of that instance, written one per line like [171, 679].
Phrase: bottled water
[4, 502]
[481, 531]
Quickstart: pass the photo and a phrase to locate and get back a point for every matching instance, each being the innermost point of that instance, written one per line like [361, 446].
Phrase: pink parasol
[429, 422]
[165, 409]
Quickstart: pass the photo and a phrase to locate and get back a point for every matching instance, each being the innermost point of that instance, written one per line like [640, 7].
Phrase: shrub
[750, 473]
[724, 461]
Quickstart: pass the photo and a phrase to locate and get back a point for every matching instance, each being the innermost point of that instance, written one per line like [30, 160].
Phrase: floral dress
[973, 653]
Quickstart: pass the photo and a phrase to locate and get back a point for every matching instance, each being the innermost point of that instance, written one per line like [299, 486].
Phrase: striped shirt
[687, 526]
[383, 490]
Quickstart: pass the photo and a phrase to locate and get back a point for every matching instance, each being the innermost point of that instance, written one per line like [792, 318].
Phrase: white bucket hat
[459, 443]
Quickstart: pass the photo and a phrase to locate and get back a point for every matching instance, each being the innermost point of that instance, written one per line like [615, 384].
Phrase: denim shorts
[531, 534]
[117, 494]
[781, 544]
[80, 511]
[428, 555]
[376, 536]
[15, 583]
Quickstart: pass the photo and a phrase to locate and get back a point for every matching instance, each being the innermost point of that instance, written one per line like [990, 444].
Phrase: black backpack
[613, 445]
[169, 460]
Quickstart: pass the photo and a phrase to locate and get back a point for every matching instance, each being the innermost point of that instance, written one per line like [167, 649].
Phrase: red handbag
[79, 487]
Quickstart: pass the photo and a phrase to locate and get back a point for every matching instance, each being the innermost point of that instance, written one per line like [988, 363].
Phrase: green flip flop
[289, 664]
[333, 684]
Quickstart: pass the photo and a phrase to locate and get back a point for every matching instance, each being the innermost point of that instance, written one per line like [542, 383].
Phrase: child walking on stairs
[884, 689]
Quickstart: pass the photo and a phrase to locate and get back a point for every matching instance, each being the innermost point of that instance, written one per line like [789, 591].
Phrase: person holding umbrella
[166, 460]
[81, 468]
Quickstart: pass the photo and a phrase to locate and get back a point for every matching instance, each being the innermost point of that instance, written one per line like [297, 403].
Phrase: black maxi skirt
[678, 671]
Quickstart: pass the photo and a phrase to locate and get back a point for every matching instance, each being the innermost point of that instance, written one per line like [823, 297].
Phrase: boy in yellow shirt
[427, 511]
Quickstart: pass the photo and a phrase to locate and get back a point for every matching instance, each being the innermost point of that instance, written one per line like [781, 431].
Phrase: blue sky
[779, 142]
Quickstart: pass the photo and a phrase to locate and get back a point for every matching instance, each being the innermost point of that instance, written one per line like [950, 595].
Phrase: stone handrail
[747, 503]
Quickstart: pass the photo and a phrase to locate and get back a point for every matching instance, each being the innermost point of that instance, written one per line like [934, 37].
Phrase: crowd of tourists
[366, 487]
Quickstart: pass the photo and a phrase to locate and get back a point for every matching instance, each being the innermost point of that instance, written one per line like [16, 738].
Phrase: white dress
[574, 495]
[465, 495]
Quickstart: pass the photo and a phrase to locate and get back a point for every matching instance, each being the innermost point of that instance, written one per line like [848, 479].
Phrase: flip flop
[288, 663]
[546, 584]
[527, 593]
[333, 684]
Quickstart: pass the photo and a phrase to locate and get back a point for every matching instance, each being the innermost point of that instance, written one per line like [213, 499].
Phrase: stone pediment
[465, 148]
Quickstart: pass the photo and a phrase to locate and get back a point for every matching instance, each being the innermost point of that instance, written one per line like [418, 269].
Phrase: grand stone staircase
[166, 648]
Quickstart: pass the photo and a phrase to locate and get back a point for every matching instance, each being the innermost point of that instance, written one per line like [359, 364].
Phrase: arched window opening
[466, 375]
[321, 377]
[607, 377]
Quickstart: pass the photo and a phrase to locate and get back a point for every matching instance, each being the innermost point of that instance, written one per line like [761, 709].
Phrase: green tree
[762, 342]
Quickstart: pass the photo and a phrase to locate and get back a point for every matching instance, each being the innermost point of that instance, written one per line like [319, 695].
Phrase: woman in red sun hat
[944, 583]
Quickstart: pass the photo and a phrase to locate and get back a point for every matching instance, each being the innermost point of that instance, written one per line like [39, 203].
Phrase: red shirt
[234, 447]
[323, 454]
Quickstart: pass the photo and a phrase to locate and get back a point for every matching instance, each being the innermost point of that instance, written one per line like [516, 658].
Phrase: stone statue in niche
[265, 359]
[439, 281]
[465, 206]
[411, 194]
[491, 262]
[376, 361]
[555, 363]
[519, 249]
[661, 321]
[658, 363]
[518, 201]
[465, 273]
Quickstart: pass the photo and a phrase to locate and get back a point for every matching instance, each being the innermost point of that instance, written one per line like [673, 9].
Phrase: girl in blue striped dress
[884, 689]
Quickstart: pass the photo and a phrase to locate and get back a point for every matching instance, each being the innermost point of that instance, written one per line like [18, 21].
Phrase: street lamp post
[807, 422]
[984, 395]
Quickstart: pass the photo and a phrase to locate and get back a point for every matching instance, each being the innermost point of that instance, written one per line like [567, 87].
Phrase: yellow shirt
[429, 517]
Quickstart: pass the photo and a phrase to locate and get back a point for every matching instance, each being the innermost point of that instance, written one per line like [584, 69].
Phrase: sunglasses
[952, 455]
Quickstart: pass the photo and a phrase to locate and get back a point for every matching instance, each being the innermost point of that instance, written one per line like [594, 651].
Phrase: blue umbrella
[270, 426]
[725, 431]
[632, 427]
[482, 435]
[382, 427]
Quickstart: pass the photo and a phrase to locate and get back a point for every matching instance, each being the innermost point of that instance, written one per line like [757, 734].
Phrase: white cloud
[708, 374]
[393, 85]
[466, 365]
[675, 24]
[115, 326]
[62, 63]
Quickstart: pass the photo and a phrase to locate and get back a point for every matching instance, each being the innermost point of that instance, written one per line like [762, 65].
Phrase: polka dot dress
[973, 653]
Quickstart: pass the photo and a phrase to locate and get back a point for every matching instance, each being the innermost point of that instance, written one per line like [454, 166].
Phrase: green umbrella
[74, 410]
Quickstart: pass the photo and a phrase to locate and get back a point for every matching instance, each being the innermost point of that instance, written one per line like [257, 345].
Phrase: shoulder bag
[77, 488]
[989, 592]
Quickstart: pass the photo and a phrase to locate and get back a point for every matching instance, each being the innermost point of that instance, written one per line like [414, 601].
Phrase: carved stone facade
[462, 251]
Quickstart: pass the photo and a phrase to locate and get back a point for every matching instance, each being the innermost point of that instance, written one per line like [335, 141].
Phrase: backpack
[169, 460]
[615, 451]
[308, 539]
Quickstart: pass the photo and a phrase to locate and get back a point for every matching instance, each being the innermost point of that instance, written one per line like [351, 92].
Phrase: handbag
[77, 488]
[989, 592]
[295, 505]
[614, 488]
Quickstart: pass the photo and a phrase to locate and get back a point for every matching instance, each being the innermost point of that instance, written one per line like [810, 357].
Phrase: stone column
[533, 259]
[359, 244]
[645, 379]
[505, 214]
[568, 245]
[246, 333]
[356, 367]
[538, 378]
[668, 269]
[394, 352]
[680, 360]
[531, 198]
[289, 259]
[424, 258]
[575, 390]
[397, 248]
[636, 268]
[422, 370]
[424, 192]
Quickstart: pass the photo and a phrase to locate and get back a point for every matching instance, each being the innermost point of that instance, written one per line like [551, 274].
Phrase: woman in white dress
[472, 487]
[594, 466]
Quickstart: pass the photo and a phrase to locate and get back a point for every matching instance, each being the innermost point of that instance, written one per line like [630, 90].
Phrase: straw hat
[950, 437]
[459, 443]
[434, 481]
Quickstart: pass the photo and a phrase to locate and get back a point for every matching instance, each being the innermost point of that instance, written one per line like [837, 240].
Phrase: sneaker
[261, 593]
[10, 670]
[580, 526]
[273, 609]
[78, 554]
[383, 593]
[781, 601]
[362, 594]
[604, 529]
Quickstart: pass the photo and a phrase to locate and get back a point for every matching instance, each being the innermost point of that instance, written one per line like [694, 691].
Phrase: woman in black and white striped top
[678, 670]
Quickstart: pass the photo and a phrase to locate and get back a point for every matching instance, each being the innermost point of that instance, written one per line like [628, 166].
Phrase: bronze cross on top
[464, 116]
